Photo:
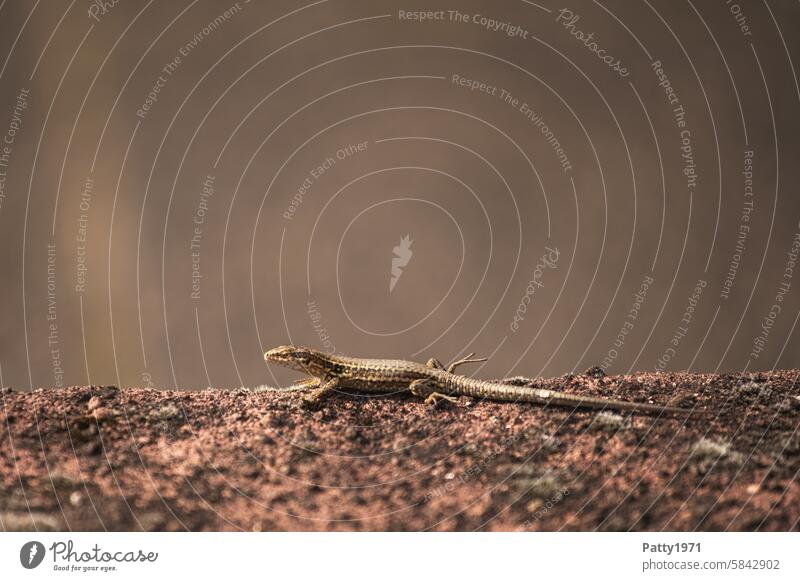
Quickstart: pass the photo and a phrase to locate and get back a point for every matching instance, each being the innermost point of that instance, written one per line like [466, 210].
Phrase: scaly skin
[430, 381]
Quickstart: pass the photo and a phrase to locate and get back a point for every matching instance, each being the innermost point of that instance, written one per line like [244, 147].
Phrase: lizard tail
[527, 394]
[545, 396]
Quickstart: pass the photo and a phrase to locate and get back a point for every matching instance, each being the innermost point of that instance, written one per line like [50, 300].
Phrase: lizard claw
[435, 397]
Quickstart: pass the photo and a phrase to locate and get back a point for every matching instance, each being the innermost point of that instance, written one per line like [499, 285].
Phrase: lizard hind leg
[468, 359]
[426, 389]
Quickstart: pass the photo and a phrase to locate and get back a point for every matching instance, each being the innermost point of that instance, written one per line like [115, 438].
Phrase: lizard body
[431, 381]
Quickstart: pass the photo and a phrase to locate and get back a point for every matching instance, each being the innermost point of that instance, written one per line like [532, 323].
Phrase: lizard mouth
[288, 356]
[282, 354]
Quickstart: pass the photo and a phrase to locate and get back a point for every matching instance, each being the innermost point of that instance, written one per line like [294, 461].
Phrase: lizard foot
[468, 359]
[313, 401]
[435, 397]
[426, 389]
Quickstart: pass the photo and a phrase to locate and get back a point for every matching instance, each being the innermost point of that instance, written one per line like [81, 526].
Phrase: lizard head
[308, 361]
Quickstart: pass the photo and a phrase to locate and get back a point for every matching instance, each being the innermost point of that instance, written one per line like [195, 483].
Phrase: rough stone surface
[95, 458]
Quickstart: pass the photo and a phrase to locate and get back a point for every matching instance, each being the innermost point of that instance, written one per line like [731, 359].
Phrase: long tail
[545, 396]
[514, 393]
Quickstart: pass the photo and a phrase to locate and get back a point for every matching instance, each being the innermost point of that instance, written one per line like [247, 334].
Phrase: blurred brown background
[183, 186]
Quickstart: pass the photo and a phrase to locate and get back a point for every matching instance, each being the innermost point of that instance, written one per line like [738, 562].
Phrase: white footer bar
[406, 556]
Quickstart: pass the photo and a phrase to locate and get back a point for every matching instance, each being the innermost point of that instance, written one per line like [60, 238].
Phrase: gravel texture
[95, 458]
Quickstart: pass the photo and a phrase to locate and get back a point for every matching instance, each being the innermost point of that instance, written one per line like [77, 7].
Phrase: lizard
[432, 382]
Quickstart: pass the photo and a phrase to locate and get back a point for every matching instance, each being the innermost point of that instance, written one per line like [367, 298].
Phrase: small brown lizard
[432, 381]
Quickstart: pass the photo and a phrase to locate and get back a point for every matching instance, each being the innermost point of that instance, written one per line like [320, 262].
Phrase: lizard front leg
[426, 388]
[314, 399]
[434, 363]
[305, 383]
[297, 385]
